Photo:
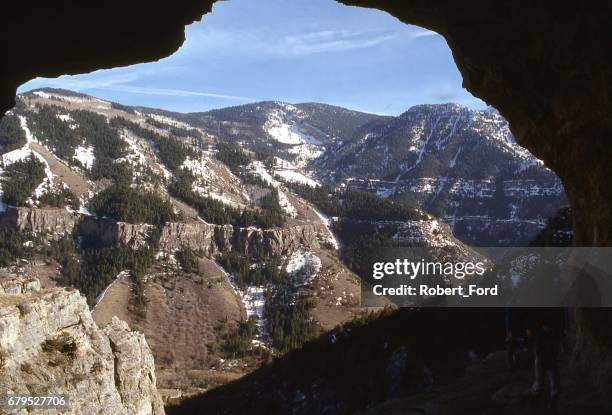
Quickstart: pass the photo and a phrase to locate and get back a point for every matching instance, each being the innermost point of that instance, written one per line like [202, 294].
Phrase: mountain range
[457, 163]
[248, 228]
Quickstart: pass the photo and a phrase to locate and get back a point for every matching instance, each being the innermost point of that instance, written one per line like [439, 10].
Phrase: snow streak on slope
[100, 297]
[253, 299]
[289, 172]
[331, 238]
[296, 177]
[284, 127]
[24, 153]
[258, 168]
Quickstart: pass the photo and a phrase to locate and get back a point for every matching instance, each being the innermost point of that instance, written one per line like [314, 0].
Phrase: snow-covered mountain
[241, 226]
[457, 163]
[298, 133]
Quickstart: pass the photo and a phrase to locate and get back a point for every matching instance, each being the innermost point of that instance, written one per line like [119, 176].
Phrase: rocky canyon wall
[210, 238]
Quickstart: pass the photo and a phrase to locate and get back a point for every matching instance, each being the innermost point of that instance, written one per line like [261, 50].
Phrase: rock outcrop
[52, 221]
[248, 241]
[55, 222]
[208, 237]
[109, 232]
[50, 345]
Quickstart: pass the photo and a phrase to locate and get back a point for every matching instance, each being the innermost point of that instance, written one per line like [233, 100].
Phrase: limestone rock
[134, 369]
[50, 345]
[54, 221]
[109, 232]
[248, 241]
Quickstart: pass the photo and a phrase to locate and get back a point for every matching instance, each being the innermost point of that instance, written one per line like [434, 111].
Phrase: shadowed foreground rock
[50, 345]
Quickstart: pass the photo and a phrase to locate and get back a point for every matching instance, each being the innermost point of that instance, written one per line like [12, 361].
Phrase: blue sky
[287, 50]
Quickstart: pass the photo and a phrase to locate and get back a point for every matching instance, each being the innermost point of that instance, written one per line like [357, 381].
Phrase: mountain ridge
[455, 162]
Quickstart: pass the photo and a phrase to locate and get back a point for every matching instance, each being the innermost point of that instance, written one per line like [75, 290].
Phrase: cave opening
[361, 60]
[534, 122]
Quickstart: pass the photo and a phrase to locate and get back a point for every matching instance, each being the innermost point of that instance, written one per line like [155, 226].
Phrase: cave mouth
[359, 59]
[508, 82]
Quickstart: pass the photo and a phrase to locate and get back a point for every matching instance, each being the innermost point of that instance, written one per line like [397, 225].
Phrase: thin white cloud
[119, 82]
[424, 33]
[333, 41]
[170, 92]
[81, 82]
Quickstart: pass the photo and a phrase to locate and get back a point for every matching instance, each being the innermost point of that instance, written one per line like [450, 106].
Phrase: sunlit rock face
[246, 241]
[50, 345]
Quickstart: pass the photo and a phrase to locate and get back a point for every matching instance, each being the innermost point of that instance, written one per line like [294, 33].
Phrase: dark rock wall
[43, 38]
[547, 68]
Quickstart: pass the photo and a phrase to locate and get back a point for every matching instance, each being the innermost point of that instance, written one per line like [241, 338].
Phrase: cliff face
[209, 237]
[55, 223]
[247, 241]
[52, 221]
[49, 344]
[109, 232]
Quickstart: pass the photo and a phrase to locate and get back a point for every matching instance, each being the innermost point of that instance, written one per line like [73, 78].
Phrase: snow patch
[289, 172]
[286, 130]
[305, 153]
[253, 299]
[85, 155]
[258, 168]
[198, 167]
[303, 267]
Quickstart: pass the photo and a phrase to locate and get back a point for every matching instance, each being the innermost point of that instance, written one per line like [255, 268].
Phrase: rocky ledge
[50, 345]
[54, 223]
[247, 241]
